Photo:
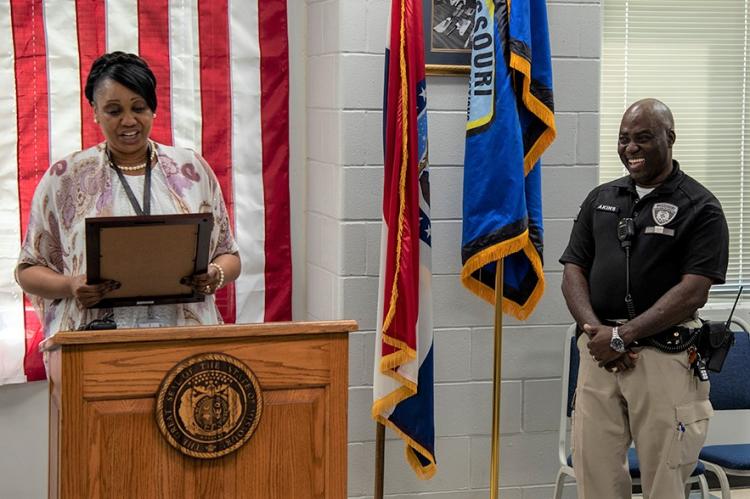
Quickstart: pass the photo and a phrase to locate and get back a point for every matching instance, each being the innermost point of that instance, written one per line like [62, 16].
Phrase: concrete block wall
[345, 41]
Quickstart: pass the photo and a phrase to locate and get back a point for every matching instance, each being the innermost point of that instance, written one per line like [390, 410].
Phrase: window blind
[693, 56]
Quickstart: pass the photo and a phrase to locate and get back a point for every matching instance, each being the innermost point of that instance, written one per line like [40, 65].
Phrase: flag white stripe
[185, 73]
[247, 159]
[122, 26]
[63, 75]
[12, 343]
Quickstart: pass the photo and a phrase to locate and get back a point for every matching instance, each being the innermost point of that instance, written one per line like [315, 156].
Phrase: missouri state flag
[510, 124]
[403, 378]
[222, 73]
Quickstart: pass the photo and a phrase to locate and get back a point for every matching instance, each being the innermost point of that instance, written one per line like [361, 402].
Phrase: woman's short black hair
[128, 70]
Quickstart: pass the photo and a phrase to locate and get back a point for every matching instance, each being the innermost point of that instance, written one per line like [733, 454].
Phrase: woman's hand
[206, 283]
[87, 295]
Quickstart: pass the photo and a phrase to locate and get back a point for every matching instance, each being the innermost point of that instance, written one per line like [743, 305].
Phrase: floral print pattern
[83, 185]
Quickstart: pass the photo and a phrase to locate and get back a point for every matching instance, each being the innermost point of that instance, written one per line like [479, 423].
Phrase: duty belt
[675, 339]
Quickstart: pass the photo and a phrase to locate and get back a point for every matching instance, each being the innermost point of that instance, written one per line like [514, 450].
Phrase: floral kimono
[84, 185]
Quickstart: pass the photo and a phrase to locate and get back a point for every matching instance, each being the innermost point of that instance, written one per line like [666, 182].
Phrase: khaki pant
[659, 405]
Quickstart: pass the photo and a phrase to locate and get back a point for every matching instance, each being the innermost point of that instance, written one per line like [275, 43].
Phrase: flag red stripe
[274, 79]
[216, 108]
[153, 45]
[33, 131]
[90, 21]
[405, 271]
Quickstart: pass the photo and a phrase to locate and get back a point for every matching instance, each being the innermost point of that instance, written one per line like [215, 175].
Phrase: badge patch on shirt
[609, 208]
[663, 213]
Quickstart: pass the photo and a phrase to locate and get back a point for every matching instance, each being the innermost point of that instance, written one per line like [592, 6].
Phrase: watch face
[617, 345]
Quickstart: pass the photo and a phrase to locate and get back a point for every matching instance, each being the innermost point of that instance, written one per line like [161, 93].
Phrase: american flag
[223, 90]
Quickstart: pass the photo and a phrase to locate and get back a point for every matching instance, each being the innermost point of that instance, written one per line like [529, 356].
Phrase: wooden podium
[105, 441]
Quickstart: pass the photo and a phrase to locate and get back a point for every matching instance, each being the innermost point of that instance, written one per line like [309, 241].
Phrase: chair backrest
[569, 380]
[575, 357]
[730, 389]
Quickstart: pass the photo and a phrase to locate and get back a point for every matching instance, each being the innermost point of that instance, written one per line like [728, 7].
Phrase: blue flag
[510, 124]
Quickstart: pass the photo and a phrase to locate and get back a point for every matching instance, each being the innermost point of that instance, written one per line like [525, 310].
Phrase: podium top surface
[196, 332]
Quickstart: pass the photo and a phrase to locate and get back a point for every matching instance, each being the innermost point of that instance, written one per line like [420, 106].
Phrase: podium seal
[208, 405]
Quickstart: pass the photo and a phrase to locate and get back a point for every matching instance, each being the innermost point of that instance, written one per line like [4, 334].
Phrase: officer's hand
[599, 344]
[624, 362]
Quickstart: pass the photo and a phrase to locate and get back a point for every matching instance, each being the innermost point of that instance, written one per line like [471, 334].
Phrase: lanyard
[146, 186]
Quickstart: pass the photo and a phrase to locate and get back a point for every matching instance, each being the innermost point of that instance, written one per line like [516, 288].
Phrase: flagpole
[379, 459]
[496, 382]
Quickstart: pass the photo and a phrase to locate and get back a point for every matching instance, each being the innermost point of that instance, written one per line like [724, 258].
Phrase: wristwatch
[616, 342]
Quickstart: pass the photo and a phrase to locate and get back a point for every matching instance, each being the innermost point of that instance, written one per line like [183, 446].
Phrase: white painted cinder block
[362, 138]
[574, 30]
[376, 12]
[453, 468]
[564, 188]
[455, 306]
[528, 352]
[323, 81]
[331, 25]
[321, 296]
[556, 236]
[361, 344]
[466, 408]
[354, 249]
[323, 136]
[352, 27]
[363, 74]
[539, 397]
[447, 93]
[363, 193]
[446, 192]
[323, 189]
[446, 246]
[314, 29]
[446, 135]
[525, 459]
[452, 354]
[358, 299]
[587, 149]
[576, 84]
[323, 235]
[563, 149]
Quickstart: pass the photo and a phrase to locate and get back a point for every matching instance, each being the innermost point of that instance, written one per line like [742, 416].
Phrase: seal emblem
[208, 405]
[663, 213]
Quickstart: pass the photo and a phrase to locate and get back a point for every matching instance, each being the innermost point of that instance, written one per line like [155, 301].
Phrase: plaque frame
[148, 255]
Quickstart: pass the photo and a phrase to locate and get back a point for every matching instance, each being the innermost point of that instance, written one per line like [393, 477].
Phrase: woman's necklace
[141, 166]
[150, 157]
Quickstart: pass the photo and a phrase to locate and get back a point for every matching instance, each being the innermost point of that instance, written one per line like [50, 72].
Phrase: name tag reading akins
[209, 405]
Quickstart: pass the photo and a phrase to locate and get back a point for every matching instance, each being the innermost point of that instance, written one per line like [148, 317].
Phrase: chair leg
[704, 487]
[559, 482]
[726, 492]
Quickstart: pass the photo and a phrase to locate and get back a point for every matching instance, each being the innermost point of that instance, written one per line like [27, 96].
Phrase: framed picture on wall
[448, 26]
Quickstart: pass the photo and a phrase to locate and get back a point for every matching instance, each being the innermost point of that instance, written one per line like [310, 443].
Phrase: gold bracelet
[221, 274]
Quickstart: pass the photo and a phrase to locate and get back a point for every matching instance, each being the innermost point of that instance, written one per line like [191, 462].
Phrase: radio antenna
[729, 319]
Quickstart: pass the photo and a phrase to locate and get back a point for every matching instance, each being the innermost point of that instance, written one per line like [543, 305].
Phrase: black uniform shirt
[679, 229]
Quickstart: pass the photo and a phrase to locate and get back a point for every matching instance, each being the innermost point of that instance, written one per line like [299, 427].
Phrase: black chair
[730, 390]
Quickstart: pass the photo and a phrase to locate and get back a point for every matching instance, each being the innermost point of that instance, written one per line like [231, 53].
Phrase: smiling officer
[643, 254]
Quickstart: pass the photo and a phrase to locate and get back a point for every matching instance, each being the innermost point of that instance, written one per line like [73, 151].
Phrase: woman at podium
[127, 174]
